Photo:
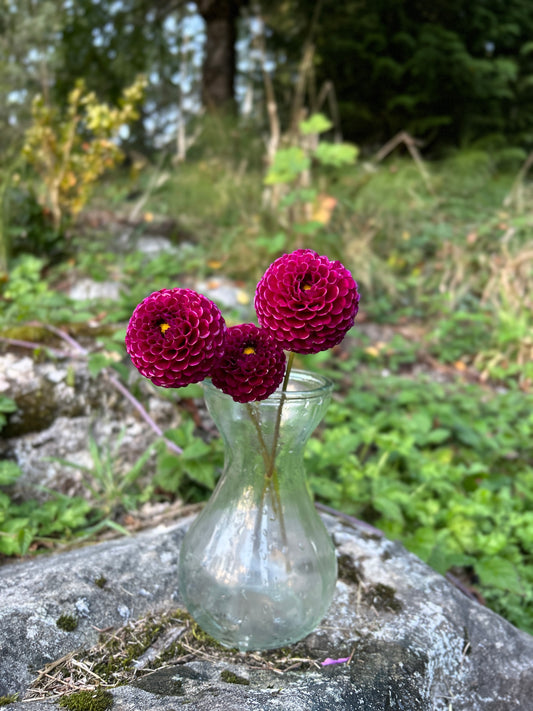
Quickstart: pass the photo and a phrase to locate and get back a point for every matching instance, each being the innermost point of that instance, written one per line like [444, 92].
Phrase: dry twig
[412, 145]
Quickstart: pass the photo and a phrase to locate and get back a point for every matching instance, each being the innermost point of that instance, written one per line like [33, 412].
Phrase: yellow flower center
[249, 350]
[164, 327]
[306, 287]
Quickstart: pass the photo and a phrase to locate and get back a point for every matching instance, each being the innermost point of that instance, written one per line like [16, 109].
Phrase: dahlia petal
[306, 301]
[252, 366]
[192, 343]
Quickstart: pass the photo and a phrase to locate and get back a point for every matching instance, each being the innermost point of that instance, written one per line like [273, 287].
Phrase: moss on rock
[231, 678]
[96, 700]
[68, 623]
[9, 699]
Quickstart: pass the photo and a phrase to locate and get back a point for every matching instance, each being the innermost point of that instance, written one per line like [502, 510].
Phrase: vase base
[254, 621]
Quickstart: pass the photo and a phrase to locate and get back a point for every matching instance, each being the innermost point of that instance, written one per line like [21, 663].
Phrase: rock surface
[414, 641]
[60, 407]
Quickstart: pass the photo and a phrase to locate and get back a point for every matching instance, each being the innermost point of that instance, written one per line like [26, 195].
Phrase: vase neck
[274, 430]
[290, 416]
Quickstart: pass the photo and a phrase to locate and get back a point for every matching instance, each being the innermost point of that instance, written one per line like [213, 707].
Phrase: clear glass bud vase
[257, 566]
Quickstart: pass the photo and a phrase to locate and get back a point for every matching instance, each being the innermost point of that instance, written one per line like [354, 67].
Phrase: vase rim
[303, 385]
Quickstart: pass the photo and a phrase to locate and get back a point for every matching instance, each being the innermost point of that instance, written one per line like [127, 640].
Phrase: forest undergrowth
[429, 435]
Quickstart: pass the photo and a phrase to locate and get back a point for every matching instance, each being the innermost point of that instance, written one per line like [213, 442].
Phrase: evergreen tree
[447, 71]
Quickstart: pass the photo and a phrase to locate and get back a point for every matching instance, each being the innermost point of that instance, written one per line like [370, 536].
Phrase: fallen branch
[412, 145]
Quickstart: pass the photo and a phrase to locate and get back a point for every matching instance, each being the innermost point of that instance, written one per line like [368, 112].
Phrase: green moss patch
[68, 623]
[97, 700]
[231, 678]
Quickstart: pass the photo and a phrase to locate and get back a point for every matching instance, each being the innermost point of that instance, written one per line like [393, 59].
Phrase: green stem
[266, 458]
[276, 505]
[290, 361]
[271, 477]
[257, 425]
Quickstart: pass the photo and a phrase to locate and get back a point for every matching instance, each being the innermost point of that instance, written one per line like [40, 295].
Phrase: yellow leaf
[323, 208]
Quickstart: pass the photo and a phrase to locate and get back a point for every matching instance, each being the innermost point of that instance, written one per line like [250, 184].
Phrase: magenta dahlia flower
[306, 302]
[252, 366]
[175, 337]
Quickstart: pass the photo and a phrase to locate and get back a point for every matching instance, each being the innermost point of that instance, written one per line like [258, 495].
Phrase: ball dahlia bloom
[252, 366]
[306, 302]
[175, 337]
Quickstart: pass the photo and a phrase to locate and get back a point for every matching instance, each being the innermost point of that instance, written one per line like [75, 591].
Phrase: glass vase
[257, 566]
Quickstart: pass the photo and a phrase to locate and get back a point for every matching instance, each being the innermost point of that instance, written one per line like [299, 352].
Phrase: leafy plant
[21, 524]
[29, 521]
[71, 150]
[461, 334]
[7, 405]
[112, 489]
[443, 469]
[307, 210]
[30, 228]
[191, 474]
[29, 297]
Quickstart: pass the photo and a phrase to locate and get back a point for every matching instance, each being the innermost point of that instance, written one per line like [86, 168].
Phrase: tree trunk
[218, 73]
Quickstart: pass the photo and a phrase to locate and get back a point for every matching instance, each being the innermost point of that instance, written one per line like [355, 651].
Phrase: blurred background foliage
[447, 73]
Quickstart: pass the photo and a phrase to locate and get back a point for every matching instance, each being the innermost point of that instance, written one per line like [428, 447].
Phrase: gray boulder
[412, 640]
[60, 407]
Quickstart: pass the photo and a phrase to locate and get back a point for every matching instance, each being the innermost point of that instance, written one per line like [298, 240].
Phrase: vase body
[257, 566]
